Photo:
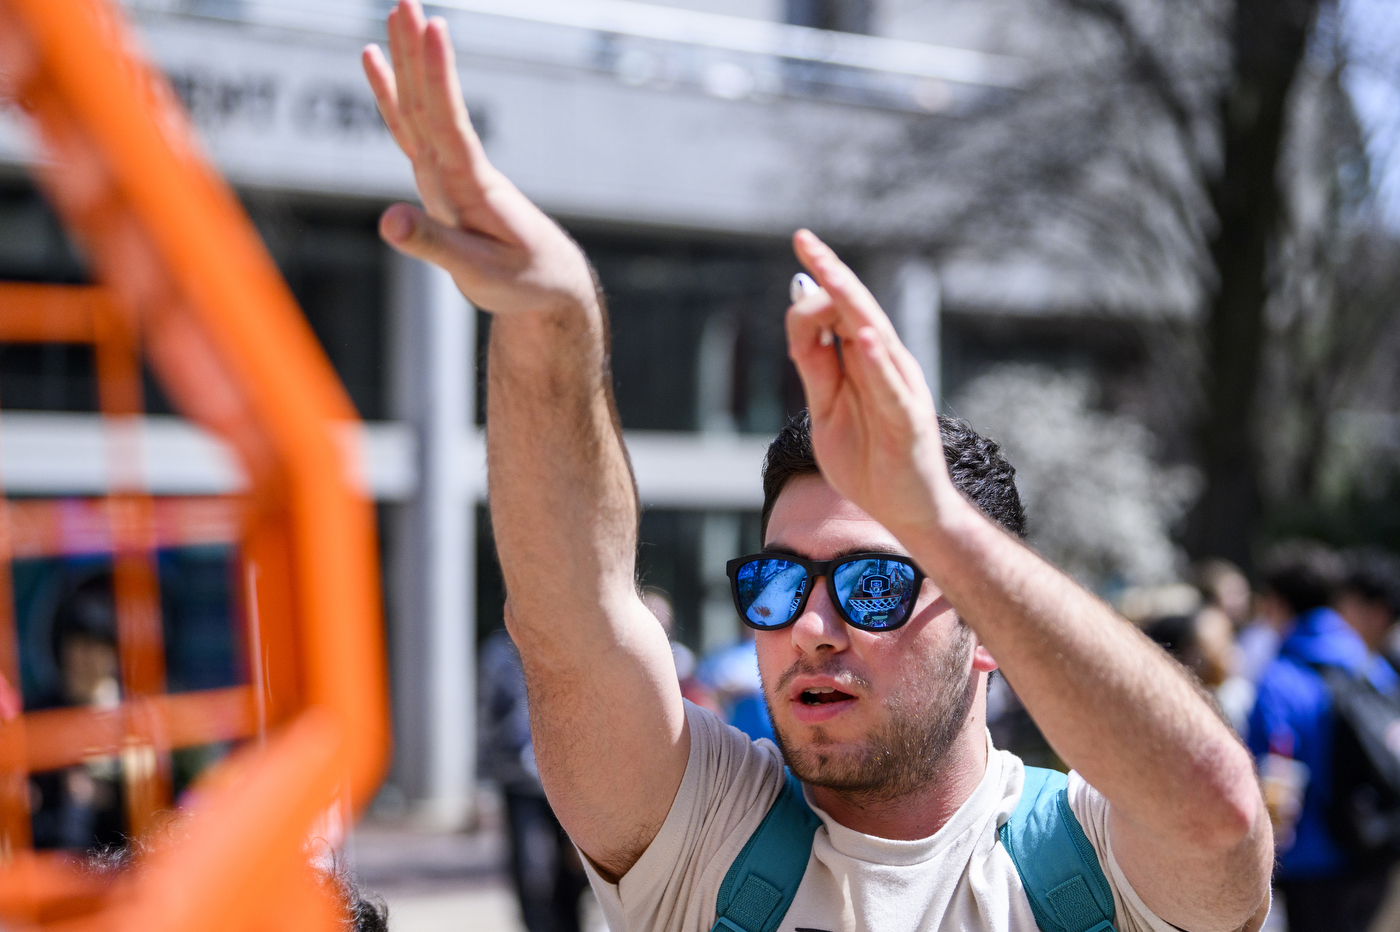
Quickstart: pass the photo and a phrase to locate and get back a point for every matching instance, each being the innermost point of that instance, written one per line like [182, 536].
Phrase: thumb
[412, 232]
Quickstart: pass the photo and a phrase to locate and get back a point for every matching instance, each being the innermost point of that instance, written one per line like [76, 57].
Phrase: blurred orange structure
[186, 286]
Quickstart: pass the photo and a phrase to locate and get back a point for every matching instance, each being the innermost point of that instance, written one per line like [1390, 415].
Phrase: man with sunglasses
[881, 599]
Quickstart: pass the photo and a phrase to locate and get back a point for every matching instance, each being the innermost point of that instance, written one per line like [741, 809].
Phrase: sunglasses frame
[824, 568]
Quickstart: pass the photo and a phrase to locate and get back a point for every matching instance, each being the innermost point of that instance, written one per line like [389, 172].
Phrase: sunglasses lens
[769, 591]
[875, 594]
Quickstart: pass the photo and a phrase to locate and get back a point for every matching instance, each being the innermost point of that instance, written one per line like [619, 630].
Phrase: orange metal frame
[187, 285]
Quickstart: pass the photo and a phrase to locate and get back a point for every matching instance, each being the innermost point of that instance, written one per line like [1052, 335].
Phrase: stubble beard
[908, 751]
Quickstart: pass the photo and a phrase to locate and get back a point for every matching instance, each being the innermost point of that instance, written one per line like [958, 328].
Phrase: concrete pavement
[442, 882]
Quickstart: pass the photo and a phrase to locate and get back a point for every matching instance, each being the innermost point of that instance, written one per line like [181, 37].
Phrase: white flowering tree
[1097, 502]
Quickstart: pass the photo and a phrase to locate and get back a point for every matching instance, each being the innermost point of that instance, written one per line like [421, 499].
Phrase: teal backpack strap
[764, 878]
[1058, 866]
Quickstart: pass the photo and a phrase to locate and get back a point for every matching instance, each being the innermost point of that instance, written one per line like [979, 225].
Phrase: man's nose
[820, 626]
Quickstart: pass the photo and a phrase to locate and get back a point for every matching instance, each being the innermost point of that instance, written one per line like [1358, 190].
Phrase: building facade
[680, 144]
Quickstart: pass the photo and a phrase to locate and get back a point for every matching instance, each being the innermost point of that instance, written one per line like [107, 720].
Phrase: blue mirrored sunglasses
[871, 591]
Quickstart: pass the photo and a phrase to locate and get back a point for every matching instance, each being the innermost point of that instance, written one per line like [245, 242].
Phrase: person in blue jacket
[732, 673]
[1324, 886]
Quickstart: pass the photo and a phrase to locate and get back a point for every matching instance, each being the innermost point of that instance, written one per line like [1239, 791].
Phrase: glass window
[335, 263]
[697, 331]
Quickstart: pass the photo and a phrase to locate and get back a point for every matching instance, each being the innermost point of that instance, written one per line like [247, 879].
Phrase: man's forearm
[601, 679]
[563, 502]
[1186, 821]
[1110, 703]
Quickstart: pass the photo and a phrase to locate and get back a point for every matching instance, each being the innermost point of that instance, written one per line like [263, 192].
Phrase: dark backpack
[1364, 813]
[1058, 866]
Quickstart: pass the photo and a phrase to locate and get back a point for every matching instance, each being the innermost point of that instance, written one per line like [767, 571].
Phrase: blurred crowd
[1304, 666]
[1304, 663]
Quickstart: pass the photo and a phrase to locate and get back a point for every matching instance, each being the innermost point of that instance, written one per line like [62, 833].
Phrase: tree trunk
[1269, 38]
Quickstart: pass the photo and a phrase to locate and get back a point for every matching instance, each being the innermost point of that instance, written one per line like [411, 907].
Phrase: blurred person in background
[692, 687]
[83, 806]
[732, 674]
[1258, 641]
[1325, 885]
[1177, 635]
[1012, 728]
[1227, 604]
[1369, 600]
[1224, 588]
[1200, 641]
[1203, 642]
[544, 866]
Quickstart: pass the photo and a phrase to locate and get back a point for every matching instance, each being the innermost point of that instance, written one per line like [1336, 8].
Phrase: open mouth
[822, 695]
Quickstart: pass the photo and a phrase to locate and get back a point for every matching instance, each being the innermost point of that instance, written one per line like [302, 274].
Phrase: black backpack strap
[1364, 813]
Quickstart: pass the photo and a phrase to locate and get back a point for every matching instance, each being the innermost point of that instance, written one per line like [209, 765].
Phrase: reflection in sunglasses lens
[770, 590]
[875, 593]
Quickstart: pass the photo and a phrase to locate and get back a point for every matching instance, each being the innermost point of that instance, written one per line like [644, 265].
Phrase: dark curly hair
[975, 464]
[1303, 573]
[1375, 576]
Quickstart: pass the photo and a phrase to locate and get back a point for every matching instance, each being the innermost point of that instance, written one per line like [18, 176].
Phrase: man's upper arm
[609, 728]
[606, 717]
[727, 789]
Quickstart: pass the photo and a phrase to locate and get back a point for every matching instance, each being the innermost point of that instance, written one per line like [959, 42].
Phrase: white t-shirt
[958, 879]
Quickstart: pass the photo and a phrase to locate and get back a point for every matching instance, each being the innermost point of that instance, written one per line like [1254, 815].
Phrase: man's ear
[982, 659]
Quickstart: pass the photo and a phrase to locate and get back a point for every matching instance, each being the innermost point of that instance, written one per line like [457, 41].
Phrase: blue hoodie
[1293, 717]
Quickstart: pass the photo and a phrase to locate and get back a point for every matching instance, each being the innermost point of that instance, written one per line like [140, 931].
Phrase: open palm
[874, 429]
[503, 252]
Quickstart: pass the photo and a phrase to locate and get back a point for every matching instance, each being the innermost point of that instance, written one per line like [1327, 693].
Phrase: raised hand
[504, 253]
[874, 429]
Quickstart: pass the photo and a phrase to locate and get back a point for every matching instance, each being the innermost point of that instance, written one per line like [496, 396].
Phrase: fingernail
[801, 286]
[826, 337]
[397, 226]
